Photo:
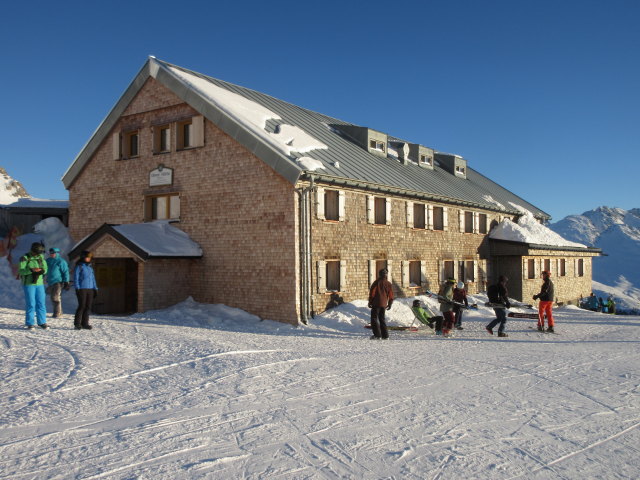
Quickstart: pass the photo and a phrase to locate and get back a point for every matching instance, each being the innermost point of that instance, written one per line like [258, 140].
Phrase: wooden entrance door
[117, 280]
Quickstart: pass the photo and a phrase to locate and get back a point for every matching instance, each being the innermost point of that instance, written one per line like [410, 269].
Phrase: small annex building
[292, 209]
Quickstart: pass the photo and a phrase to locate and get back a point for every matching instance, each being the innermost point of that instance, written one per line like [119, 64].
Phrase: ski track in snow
[144, 399]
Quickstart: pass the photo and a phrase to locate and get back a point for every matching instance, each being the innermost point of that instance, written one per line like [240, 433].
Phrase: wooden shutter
[115, 144]
[461, 220]
[445, 219]
[440, 271]
[341, 205]
[320, 203]
[476, 271]
[372, 272]
[423, 273]
[429, 217]
[322, 276]
[525, 268]
[405, 273]
[371, 209]
[476, 222]
[387, 205]
[343, 275]
[537, 265]
[410, 214]
[197, 126]
[389, 277]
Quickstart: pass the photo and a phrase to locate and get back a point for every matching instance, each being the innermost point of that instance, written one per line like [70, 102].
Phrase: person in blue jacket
[84, 282]
[57, 279]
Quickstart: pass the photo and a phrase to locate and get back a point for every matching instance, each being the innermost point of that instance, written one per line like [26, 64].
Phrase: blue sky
[541, 96]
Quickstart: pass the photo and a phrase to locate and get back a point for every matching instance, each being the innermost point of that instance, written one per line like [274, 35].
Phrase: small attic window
[460, 170]
[376, 145]
[426, 160]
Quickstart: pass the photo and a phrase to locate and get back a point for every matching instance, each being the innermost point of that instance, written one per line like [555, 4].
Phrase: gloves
[95, 293]
[508, 305]
[389, 306]
[535, 297]
[66, 285]
[370, 305]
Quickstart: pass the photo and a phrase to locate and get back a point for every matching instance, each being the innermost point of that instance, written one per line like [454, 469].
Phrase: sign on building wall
[161, 176]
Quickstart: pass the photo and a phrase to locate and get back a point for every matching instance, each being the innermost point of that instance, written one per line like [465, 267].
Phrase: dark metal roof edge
[361, 184]
[539, 246]
[105, 127]
[107, 229]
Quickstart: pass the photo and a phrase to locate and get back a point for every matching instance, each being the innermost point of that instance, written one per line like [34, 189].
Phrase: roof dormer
[423, 156]
[454, 164]
[371, 140]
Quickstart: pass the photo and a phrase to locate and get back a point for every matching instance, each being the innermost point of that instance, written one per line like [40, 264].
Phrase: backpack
[492, 293]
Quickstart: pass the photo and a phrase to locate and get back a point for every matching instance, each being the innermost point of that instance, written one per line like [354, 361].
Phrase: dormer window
[460, 170]
[376, 145]
[426, 160]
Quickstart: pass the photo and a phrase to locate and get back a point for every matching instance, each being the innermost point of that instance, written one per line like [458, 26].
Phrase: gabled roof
[295, 142]
[146, 240]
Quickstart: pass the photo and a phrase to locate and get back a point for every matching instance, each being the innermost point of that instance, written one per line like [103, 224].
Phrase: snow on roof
[253, 116]
[39, 203]
[490, 199]
[529, 230]
[159, 239]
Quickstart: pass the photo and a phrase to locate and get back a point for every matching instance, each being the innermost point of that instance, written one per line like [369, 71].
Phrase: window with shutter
[419, 220]
[531, 268]
[410, 215]
[380, 207]
[320, 201]
[438, 218]
[161, 139]
[331, 205]
[482, 223]
[322, 276]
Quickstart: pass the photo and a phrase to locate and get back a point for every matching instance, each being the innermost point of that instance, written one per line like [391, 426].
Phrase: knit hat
[54, 250]
[37, 247]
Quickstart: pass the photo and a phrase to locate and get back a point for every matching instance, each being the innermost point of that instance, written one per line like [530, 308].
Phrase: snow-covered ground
[206, 391]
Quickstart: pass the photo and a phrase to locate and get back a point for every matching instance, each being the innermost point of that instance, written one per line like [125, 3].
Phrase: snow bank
[529, 230]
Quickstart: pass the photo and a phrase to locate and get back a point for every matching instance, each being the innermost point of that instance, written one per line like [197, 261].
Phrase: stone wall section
[355, 241]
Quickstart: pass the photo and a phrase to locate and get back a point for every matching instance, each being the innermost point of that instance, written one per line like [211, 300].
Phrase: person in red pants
[545, 306]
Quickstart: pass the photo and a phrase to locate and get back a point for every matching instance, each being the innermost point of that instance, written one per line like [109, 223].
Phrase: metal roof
[344, 161]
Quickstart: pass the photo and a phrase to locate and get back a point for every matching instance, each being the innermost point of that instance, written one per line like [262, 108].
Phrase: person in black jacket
[380, 299]
[498, 294]
[545, 306]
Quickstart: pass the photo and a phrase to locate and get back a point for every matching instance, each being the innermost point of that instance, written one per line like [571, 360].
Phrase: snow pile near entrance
[529, 230]
[54, 234]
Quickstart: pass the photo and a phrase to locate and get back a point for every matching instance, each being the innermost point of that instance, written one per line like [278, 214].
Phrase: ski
[444, 300]
[396, 327]
[502, 305]
[533, 316]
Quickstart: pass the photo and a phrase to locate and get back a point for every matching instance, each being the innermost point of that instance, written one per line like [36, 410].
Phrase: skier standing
[380, 299]
[459, 296]
[499, 294]
[84, 282]
[57, 279]
[446, 307]
[545, 306]
[31, 270]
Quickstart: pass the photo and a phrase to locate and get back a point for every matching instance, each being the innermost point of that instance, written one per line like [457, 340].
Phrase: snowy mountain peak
[10, 190]
[617, 233]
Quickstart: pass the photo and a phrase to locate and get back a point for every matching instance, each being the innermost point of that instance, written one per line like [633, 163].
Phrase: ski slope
[209, 392]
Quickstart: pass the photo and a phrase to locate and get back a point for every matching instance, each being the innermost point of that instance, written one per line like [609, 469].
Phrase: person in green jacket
[421, 314]
[32, 269]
